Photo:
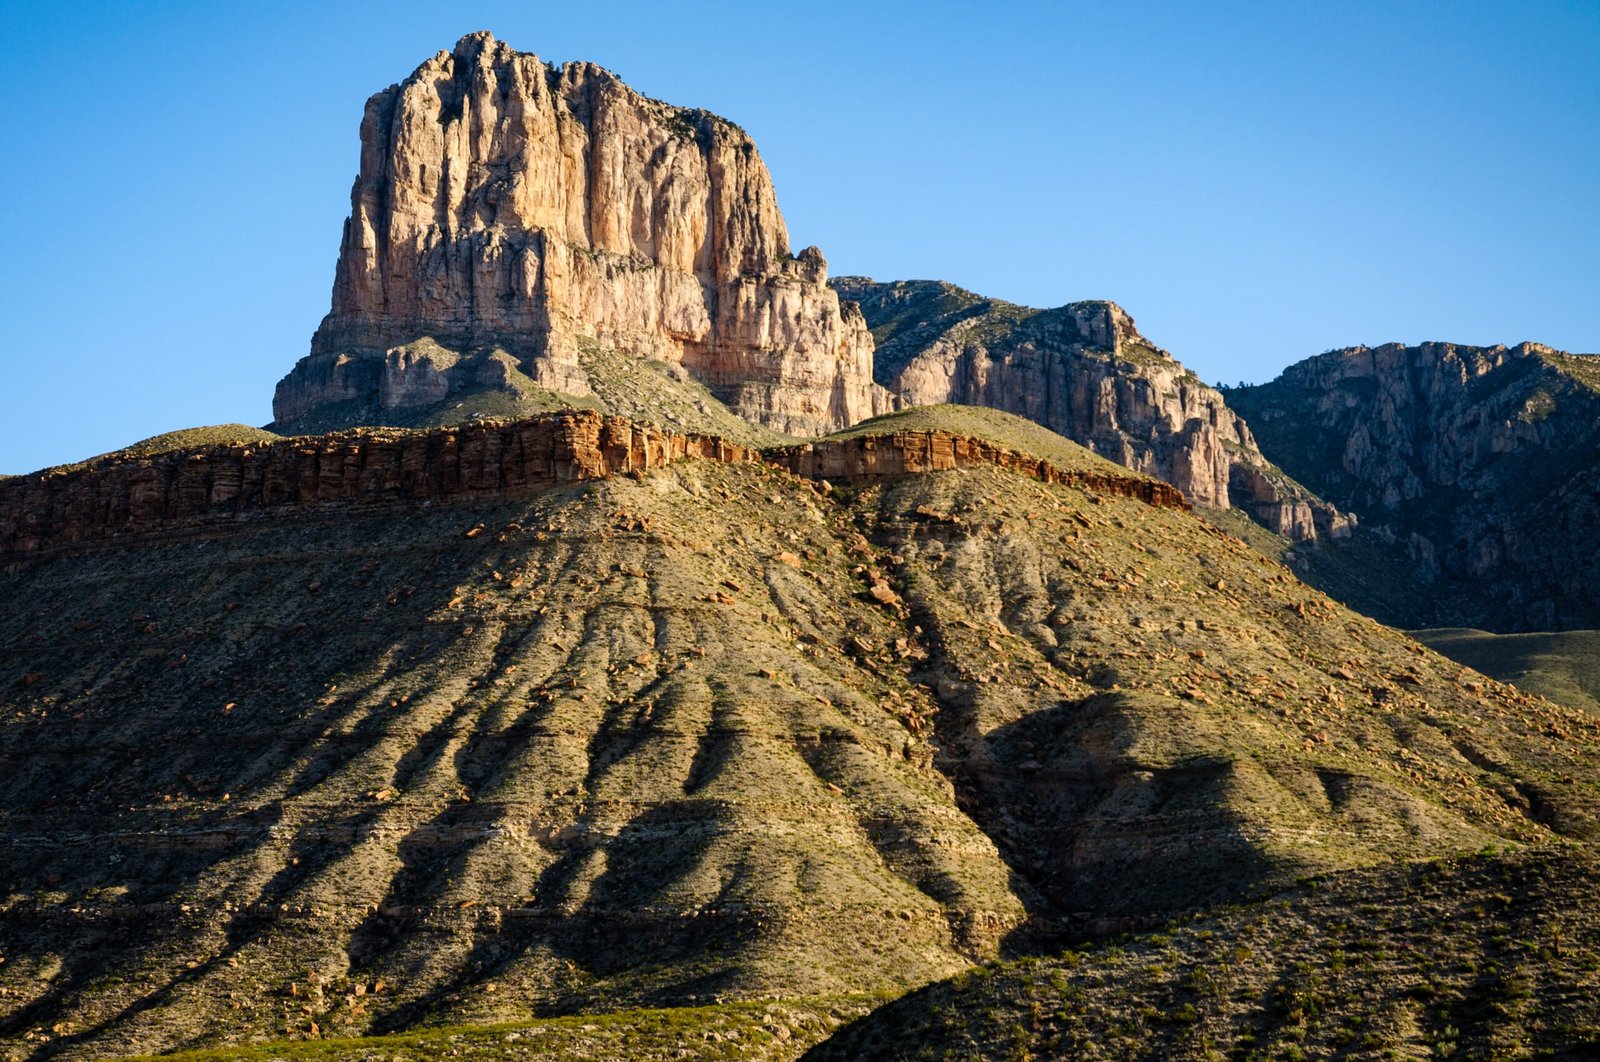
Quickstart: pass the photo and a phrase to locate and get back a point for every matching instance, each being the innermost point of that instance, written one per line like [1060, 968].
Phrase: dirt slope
[711, 732]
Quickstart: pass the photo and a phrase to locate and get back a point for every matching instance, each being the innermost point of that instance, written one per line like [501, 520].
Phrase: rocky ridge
[506, 210]
[140, 496]
[1479, 466]
[1082, 370]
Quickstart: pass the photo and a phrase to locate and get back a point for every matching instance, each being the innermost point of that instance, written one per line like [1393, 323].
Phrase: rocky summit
[509, 212]
[1082, 370]
[518, 231]
[628, 643]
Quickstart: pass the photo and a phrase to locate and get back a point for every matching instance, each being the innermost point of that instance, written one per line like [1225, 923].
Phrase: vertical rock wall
[505, 203]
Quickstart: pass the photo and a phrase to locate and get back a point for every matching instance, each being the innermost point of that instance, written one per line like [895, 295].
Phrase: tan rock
[1084, 371]
[505, 203]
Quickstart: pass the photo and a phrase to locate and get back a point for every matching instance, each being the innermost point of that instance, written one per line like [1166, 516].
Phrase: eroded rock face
[505, 203]
[1082, 370]
[184, 491]
[1478, 464]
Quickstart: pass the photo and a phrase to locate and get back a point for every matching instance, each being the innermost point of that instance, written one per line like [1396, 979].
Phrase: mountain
[1082, 370]
[510, 217]
[591, 661]
[1478, 466]
[523, 237]
[389, 728]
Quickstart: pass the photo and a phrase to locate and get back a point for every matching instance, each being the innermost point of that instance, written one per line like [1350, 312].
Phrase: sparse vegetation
[1454, 959]
[709, 735]
[621, 383]
[186, 439]
[1006, 429]
[1561, 665]
[758, 1030]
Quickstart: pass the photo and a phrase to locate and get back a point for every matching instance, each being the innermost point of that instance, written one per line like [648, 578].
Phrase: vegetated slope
[184, 439]
[759, 1031]
[1485, 957]
[1561, 665]
[1148, 716]
[716, 732]
[1363, 570]
[1479, 465]
[608, 381]
[363, 770]
[1082, 370]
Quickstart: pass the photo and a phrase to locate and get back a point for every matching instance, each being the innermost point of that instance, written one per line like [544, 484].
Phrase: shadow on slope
[1561, 665]
[478, 761]
[1491, 956]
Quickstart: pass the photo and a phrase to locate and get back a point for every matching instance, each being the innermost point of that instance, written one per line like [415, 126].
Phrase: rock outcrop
[1479, 465]
[512, 218]
[508, 210]
[179, 492]
[1082, 370]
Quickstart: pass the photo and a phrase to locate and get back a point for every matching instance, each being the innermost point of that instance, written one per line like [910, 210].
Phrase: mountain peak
[503, 204]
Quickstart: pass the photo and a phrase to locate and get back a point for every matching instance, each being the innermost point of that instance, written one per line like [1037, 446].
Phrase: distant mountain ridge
[1082, 370]
[1481, 465]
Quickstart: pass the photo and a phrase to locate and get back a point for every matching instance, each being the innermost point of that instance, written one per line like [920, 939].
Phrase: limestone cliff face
[503, 203]
[1480, 464]
[1082, 370]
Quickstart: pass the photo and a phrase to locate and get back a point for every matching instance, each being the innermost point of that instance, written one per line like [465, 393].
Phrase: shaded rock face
[1480, 465]
[1082, 370]
[503, 203]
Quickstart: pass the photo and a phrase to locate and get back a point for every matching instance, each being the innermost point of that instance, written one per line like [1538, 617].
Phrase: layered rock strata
[503, 203]
[48, 510]
[907, 452]
[1478, 464]
[189, 489]
[1084, 371]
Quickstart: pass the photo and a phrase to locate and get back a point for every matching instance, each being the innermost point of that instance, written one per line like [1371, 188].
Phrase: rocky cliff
[508, 210]
[1082, 370]
[513, 221]
[138, 497]
[1480, 465]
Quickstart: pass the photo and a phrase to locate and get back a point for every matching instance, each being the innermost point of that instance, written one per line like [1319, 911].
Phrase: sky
[1255, 183]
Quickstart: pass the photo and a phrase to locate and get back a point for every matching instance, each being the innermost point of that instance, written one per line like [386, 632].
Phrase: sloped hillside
[609, 746]
[705, 731]
[1561, 665]
[1487, 957]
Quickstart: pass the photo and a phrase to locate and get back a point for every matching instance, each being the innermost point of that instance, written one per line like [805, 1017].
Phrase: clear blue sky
[1255, 183]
